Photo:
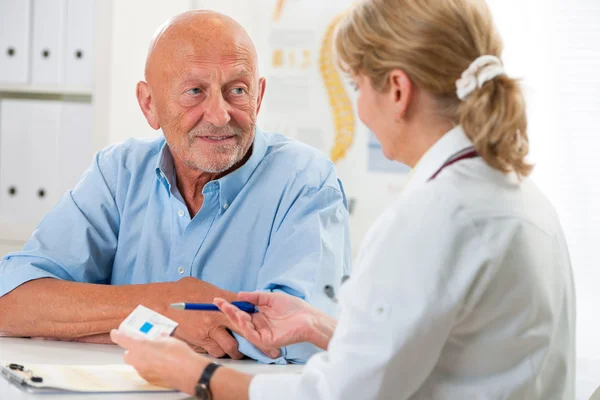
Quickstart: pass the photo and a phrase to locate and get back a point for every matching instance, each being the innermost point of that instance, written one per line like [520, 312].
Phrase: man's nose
[216, 111]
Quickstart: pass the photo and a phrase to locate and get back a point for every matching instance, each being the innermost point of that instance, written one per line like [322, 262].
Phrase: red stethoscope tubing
[463, 155]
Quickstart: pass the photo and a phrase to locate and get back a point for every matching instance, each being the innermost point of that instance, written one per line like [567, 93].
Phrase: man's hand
[204, 331]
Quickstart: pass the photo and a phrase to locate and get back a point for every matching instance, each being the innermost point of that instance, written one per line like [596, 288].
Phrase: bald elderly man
[212, 208]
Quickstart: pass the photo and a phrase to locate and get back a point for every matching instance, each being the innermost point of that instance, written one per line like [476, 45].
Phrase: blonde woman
[463, 288]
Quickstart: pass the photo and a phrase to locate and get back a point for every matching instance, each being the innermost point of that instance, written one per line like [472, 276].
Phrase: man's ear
[401, 92]
[147, 106]
[262, 85]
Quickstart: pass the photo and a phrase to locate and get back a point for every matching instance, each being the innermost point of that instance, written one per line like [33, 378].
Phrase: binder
[13, 145]
[14, 41]
[79, 52]
[48, 378]
[75, 145]
[42, 162]
[47, 42]
[28, 158]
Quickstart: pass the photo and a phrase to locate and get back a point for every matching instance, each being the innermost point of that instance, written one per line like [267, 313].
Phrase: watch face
[202, 392]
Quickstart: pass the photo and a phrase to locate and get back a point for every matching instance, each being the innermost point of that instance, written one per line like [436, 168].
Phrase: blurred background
[68, 70]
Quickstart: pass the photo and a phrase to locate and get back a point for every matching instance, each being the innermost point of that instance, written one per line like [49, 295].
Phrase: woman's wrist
[321, 327]
[192, 369]
[225, 384]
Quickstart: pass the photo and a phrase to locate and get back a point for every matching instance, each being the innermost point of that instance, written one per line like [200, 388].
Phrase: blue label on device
[146, 327]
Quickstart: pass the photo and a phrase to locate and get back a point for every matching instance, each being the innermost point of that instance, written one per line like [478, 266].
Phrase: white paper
[148, 323]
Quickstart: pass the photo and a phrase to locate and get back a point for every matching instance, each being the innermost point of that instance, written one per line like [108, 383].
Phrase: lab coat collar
[448, 145]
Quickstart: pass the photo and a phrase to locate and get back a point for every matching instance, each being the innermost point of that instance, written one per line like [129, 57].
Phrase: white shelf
[16, 232]
[45, 89]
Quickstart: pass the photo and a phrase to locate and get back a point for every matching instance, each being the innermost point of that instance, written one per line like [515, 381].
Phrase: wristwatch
[202, 390]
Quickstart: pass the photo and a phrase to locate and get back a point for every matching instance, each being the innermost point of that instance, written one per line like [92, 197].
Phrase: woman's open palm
[282, 319]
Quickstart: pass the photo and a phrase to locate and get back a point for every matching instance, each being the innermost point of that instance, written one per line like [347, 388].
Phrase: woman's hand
[166, 361]
[282, 320]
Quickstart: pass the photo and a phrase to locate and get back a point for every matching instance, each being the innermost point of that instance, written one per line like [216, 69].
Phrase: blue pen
[242, 305]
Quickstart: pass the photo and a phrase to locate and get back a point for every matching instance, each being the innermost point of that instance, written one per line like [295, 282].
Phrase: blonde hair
[434, 42]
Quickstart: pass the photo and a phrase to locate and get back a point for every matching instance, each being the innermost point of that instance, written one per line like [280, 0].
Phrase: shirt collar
[230, 185]
[451, 143]
[165, 168]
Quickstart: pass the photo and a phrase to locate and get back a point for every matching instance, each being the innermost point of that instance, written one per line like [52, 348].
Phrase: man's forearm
[62, 309]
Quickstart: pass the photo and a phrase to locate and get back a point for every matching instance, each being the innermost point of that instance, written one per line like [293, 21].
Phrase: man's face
[207, 100]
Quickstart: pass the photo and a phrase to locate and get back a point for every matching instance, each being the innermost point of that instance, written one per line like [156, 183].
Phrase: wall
[555, 49]
[134, 23]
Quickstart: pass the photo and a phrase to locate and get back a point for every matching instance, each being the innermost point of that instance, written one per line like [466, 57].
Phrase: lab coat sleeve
[398, 308]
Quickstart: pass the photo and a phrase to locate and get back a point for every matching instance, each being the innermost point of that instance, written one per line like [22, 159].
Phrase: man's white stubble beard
[232, 153]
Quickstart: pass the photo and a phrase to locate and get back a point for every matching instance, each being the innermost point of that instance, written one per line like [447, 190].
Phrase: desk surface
[52, 352]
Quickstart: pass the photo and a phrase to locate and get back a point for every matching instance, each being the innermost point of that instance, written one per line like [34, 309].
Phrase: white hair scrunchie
[483, 69]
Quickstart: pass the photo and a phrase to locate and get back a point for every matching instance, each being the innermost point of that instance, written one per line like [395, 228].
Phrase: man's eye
[193, 91]
[238, 91]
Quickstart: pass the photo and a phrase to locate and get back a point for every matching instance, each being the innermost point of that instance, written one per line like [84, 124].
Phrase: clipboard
[53, 378]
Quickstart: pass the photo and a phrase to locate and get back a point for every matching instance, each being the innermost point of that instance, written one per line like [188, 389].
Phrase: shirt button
[225, 206]
[181, 270]
[181, 213]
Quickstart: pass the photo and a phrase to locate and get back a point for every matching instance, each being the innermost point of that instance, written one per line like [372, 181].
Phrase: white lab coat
[463, 290]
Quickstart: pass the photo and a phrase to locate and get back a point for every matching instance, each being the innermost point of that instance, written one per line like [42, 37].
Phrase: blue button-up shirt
[279, 222]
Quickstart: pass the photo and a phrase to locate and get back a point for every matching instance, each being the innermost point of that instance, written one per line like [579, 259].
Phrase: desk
[52, 352]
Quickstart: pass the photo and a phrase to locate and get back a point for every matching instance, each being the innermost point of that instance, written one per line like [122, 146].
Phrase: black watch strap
[203, 385]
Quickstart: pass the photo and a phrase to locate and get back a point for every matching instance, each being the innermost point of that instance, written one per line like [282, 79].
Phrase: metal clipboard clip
[18, 374]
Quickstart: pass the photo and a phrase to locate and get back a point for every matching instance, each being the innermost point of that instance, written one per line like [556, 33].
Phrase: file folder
[79, 52]
[14, 41]
[47, 42]
[13, 145]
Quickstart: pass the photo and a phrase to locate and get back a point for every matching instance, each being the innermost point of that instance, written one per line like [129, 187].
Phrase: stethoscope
[330, 292]
[464, 154]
